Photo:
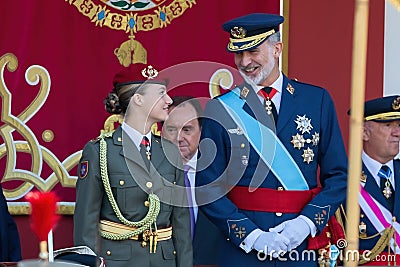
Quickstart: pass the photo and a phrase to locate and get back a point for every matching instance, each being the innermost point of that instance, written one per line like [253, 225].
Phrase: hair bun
[112, 104]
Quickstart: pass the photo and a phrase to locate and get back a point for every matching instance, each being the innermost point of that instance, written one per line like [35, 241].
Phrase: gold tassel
[380, 245]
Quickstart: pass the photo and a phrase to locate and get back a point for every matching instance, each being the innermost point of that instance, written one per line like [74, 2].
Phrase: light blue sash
[265, 143]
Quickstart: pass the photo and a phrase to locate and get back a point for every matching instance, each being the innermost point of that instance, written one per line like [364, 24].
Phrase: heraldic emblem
[132, 16]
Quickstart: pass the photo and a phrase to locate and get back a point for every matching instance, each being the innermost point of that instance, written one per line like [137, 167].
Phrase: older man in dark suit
[183, 127]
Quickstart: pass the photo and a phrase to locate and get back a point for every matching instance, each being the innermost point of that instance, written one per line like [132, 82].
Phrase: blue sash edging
[265, 143]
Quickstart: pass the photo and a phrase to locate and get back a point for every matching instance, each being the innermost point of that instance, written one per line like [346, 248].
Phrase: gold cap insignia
[363, 178]
[149, 72]
[238, 32]
[244, 92]
[290, 89]
[396, 104]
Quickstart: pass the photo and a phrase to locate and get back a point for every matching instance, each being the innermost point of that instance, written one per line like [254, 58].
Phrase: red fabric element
[43, 214]
[270, 200]
[301, 67]
[131, 74]
[265, 95]
[286, 201]
[322, 240]
[145, 141]
[337, 231]
[138, 73]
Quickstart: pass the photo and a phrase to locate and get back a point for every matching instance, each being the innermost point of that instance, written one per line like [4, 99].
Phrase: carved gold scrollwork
[161, 16]
[131, 19]
[39, 154]
[30, 144]
[131, 52]
[109, 124]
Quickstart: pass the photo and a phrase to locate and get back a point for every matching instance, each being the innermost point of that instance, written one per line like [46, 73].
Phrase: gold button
[174, 252]
[121, 182]
[149, 184]
[361, 215]
[119, 139]
[242, 145]
[146, 203]
[328, 234]
[108, 253]
[227, 239]
[279, 214]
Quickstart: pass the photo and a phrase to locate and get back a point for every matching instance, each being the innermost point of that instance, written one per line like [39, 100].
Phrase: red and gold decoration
[43, 217]
[132, 16]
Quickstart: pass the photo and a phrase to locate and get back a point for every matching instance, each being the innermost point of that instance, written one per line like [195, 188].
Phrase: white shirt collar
[192, 163]
[277, 84]
[135, 135]
[374, 166]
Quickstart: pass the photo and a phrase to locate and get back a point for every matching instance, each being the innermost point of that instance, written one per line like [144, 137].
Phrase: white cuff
[247, 243]
[313, 228]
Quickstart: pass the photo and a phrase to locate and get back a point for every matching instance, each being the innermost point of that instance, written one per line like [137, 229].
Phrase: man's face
[259, 63]
[381, 140]
[183, 129]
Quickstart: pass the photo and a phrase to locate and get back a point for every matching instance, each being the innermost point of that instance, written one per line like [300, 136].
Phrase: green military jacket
[129, 180]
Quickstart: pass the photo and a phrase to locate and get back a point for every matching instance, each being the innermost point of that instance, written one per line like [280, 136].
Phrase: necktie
[268, 93]
[145, 151]
[387, 189]
[186, 169]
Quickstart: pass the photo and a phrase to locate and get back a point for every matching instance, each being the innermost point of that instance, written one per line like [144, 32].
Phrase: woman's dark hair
[118, 99]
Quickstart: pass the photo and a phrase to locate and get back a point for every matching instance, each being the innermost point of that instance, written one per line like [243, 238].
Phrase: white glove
[272, 244]
[296, 230]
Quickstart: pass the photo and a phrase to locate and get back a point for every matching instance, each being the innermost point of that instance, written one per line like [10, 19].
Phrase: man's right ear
[278, 49]
[366, 132]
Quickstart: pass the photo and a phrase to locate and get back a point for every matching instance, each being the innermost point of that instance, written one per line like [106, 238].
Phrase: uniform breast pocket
[128, 195]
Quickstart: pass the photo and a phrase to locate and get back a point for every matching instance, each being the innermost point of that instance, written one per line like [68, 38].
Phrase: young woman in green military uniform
[128, 203]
